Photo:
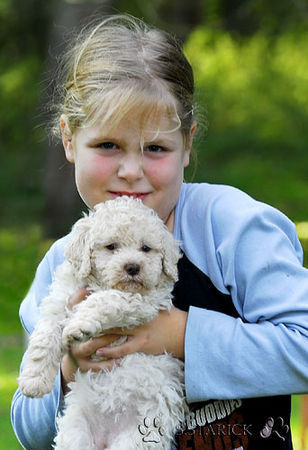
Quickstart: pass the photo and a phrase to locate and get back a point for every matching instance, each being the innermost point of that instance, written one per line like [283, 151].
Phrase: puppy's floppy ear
[78, 251]
[171, 255]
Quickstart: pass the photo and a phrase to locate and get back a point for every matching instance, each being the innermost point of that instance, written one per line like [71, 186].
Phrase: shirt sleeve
[34, 419]
[252, 253]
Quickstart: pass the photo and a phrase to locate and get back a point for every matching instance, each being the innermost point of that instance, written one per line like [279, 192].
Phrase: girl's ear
[67, 139]
[189, 144]
[193, 129]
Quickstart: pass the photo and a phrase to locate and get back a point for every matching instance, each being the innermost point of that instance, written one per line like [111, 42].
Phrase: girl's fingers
[118, 351]
[84, 355]
[86, 349]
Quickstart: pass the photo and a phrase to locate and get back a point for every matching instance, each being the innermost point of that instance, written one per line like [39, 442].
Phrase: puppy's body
[127, 257]
[110, 409]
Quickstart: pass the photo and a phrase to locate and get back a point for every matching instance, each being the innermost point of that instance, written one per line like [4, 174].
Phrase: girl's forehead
[150, 108]
[146, 123]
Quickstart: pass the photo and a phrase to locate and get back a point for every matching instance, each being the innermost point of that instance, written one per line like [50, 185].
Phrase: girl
[240, 307]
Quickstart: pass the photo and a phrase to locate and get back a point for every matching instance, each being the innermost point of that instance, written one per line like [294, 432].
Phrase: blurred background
[251, 70]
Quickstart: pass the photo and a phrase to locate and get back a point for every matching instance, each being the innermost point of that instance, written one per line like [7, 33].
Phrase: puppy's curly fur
[128, 258]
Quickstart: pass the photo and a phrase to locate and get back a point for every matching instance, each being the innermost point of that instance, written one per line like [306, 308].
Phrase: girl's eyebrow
[163, 140]
[98, 137]
[94, 133]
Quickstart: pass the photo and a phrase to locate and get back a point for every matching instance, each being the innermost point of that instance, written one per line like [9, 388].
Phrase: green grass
[21, 250]
[11, 350]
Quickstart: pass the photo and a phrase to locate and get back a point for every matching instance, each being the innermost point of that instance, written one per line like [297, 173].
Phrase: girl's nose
[131, 167]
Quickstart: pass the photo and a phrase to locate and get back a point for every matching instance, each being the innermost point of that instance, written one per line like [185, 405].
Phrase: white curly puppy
[128, 258]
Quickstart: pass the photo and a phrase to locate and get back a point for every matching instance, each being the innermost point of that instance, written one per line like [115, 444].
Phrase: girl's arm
[253, 254]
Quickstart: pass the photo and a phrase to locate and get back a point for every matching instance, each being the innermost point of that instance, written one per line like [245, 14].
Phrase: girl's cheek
[164, 172]
[158, 169]
[102, 166]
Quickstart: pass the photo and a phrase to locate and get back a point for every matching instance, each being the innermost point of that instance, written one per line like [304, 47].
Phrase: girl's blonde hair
[121, 63]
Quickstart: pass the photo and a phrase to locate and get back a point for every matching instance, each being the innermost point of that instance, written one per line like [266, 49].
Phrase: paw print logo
[151, 430]
[271, 427]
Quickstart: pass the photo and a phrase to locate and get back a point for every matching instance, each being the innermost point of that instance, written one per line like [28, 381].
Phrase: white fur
[118, 408]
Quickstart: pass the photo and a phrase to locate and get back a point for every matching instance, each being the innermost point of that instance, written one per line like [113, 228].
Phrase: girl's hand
[164, 333]
[79, 355]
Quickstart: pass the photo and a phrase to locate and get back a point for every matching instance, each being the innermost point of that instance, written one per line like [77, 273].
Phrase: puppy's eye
[145, 249]
[111, 247]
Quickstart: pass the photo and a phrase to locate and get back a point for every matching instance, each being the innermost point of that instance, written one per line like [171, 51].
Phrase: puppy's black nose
[132, 269]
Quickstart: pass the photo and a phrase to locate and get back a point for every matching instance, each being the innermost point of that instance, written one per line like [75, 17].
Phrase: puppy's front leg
[44, 350]
[42, 360]
[104, 310]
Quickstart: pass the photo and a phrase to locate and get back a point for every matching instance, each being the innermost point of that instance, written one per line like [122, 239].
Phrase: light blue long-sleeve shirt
[247, 249]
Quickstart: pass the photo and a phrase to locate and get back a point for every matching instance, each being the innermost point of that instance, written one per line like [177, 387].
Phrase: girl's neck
[170, 221]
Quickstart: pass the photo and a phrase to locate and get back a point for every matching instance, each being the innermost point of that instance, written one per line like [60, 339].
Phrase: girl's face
[110, 162]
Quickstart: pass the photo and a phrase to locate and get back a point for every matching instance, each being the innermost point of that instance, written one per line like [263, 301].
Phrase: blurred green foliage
[23, 36]
[256, 98]
[21, 251]
[20, 157]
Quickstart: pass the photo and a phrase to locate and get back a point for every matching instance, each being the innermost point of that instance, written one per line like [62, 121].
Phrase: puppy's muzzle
[132, 269]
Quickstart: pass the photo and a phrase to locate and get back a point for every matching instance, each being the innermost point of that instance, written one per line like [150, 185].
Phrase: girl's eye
[107, 145]
[145, 249]
[111, 247]
[155, 148]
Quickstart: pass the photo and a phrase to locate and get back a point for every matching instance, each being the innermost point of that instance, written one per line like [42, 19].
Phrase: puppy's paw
[80, 332]
[34, 387]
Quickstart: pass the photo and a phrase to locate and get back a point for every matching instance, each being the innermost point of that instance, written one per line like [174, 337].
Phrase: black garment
[252, 424]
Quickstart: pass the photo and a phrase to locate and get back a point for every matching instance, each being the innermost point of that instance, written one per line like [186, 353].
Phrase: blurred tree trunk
[63, 205]
[181, 16]
[176, 16]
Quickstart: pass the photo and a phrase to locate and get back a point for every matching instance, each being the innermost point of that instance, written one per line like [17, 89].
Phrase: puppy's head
[125, 246]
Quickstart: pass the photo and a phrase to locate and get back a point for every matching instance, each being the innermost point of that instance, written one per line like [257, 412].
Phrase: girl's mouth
[139, 195]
